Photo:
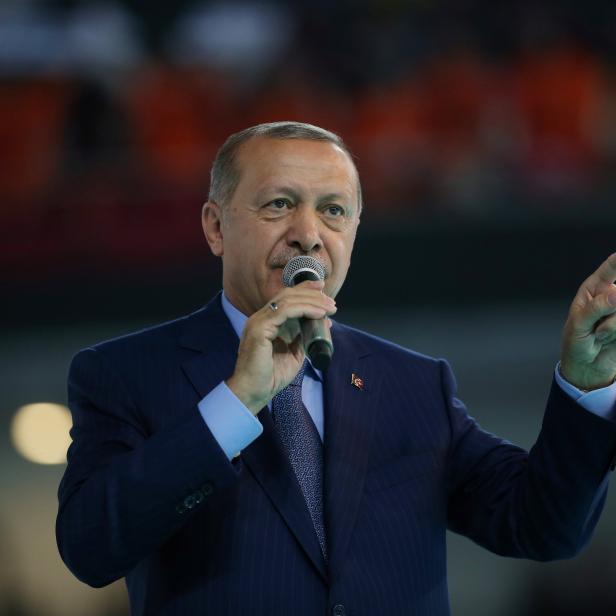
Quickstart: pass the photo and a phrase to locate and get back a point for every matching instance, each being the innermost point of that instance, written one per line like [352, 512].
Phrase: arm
[124, 491]
[543, 504]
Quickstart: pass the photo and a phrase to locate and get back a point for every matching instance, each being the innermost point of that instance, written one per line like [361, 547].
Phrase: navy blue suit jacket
[148, 493]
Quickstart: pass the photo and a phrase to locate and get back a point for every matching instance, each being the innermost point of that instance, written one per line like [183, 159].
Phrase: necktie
[302, 443]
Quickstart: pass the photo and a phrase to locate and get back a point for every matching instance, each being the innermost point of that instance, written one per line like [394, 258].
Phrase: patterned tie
[302, 443]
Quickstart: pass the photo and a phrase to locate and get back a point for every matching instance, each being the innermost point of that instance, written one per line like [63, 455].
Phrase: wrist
[585, 387]
[253, 403]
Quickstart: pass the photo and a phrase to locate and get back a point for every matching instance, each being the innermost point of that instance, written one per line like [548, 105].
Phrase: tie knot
[299, 377]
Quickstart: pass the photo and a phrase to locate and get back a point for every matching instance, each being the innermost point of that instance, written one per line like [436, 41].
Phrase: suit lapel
[350, 413]
[210, 332]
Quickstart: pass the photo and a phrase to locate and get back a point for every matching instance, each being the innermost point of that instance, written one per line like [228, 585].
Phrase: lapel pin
[357, 381]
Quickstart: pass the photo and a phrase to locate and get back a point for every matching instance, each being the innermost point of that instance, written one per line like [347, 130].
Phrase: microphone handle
[317, 342]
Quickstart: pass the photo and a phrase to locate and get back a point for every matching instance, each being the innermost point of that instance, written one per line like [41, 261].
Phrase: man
[219, 482]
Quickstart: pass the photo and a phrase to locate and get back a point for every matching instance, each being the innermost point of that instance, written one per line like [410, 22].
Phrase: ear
[211, 221]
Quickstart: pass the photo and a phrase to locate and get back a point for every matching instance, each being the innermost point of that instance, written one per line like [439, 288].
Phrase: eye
[278, 204]
[335, 211]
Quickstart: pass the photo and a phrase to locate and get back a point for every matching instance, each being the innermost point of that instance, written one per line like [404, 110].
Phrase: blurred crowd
[111, 112]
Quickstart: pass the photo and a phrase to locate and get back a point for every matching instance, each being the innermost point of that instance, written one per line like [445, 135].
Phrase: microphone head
[301, 268]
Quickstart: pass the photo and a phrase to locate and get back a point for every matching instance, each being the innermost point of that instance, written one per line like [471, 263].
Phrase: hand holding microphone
[278, 336]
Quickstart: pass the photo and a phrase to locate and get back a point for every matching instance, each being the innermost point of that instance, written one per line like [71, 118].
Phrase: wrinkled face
[294, 197]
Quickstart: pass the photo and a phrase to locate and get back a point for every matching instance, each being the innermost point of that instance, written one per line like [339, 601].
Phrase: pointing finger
[601, 306]
[606, 272]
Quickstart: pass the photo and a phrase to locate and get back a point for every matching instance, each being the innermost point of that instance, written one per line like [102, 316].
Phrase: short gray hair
[225, 174]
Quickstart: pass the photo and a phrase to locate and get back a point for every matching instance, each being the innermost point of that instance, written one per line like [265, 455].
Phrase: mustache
[280, 260]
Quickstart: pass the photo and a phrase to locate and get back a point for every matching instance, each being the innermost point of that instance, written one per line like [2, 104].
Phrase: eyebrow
[281, 190]
[335, 197]
[293, 194]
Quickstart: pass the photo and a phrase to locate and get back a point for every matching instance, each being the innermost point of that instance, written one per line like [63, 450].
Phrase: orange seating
[179, 117]
[31, 124]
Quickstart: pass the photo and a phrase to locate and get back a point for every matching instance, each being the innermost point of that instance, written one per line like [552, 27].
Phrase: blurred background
[485, 137]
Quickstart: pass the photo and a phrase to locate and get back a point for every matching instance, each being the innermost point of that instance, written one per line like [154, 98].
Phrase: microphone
[315, 334]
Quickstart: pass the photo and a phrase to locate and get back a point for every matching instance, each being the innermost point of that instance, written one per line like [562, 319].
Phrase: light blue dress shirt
[234, 427]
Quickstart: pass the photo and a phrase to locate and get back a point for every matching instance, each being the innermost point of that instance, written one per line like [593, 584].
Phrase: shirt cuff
[601, 402]
[233, 426]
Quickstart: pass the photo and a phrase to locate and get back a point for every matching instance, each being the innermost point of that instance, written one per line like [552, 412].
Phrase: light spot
[40, 432]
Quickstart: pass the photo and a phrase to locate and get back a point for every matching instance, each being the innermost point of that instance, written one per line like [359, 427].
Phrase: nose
[303, 232]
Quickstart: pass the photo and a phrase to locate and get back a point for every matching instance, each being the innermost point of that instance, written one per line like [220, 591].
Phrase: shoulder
[126, 353]
[382, 349]
[142, 341]
[149, 343]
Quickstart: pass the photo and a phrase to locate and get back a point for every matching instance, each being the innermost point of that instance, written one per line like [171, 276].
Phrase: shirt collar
[238, 319]
[238, 322]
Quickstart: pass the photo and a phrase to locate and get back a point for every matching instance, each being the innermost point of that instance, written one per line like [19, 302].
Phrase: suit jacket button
[207, 489]
[338, 610]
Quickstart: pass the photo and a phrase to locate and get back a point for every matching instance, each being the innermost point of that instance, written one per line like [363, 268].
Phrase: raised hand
[270, 352]
[588, 355]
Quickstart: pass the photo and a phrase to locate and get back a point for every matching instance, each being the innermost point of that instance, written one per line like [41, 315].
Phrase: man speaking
[223, 472]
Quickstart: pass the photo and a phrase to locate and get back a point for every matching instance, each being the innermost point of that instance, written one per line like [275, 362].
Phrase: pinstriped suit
[148, 494]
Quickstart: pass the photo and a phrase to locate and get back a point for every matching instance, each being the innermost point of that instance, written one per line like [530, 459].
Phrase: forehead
[262, 161]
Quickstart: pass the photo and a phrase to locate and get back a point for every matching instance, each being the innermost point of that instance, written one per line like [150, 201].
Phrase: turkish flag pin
[357, 381]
